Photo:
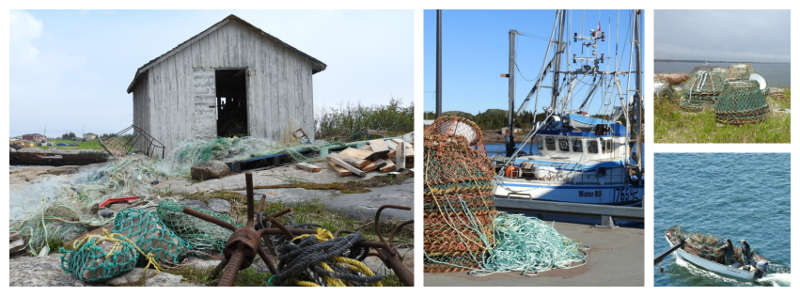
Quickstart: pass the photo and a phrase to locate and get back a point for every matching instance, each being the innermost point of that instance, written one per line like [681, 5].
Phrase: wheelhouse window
[606, 145]
[577, 145]
[563, 144]
[592, 146]
[550, 143]
[539, 143]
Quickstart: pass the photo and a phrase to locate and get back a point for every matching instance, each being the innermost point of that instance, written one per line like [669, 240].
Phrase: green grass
[351, 123]
[673, 125]
[88, 145]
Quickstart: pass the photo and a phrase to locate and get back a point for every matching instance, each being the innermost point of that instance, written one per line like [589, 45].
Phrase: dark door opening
[231, 103]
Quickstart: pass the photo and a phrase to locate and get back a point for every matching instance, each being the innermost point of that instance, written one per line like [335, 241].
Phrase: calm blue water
[500, 149]
[776, 74]
[730, 195]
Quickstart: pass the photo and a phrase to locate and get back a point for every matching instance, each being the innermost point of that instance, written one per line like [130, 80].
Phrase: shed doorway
[231, 102]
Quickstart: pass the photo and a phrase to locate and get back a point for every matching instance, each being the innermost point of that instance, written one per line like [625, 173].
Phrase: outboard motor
[761, 268]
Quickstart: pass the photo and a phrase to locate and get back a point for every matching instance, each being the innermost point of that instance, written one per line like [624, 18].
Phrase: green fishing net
[741, 101]
[147, 231]
[200, 234]
[100, 258]
[703, 87]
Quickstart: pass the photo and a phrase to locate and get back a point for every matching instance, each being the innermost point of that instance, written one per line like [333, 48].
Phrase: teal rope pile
[530, 246]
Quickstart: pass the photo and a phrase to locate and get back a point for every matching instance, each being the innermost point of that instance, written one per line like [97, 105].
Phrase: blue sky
[70, 69]
[475, 53]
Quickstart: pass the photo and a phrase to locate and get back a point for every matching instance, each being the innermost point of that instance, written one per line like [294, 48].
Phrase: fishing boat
[580, 157]
[742, 272]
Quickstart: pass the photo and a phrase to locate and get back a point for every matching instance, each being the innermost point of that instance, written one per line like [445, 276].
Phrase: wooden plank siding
[171, 101]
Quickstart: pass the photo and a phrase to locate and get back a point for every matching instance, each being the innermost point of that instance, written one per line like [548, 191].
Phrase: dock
[616, 258]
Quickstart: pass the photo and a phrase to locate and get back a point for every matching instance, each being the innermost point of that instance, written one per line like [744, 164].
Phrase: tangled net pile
[703, 87]
[530, 246]
[97, 258]
[231, 149]
[59, 208]
[322, 260]
[741, 102]
[202, 235]
[458, 203]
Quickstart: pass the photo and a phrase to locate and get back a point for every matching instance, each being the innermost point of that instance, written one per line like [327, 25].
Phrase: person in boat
[746, 253]
[728, 253]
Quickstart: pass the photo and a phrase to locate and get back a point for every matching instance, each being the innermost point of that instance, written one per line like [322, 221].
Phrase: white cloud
[25, 29]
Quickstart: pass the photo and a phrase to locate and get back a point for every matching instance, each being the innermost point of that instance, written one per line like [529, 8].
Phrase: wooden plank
[359, 163]
[378, 145]
[399, 157]
[388, 166]
[347, 166]
[309, 167]
[342, 172]
[364, 154]
[370, 167]
[355, 153]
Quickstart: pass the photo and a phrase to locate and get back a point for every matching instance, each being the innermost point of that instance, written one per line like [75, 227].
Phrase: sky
[70, 69]
[722, 35]
[475, 53]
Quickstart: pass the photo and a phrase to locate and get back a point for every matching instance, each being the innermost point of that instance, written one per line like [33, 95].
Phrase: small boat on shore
[700, 250]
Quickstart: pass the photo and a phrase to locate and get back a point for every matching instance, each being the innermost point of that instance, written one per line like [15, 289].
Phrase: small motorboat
[701, 256]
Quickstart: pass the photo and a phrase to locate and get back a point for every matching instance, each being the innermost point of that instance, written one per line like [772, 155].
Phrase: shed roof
[316, 65]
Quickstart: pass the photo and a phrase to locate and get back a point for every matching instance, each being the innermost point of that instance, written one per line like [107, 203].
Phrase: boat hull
[613, 194]
[712, 266]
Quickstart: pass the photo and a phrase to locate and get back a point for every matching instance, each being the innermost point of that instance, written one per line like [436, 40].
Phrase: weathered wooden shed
[233, 79]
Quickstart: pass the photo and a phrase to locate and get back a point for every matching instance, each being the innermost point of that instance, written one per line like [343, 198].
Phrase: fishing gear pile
[323, 260]
[97, 258]
[458, 203]
[700, 244]
[703, 87]
[741, 102]
[200, 234]
[530, 246]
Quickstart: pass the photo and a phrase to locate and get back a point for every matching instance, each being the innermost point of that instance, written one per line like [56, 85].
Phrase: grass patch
[673, 125]
[81, 145]
[352, 122]
[248, 277]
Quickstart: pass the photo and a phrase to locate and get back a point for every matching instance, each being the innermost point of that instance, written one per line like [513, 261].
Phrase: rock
[209, 170]
[219, 205]
[16, 244]
[106, 213]
[672, 78]
[45, 271]
[200, 263]
[134, 278]
[197, 204]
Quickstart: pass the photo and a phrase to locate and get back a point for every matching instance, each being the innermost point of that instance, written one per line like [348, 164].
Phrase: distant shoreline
[719, 62]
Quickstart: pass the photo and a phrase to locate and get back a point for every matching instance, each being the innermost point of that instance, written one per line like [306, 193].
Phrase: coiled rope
[321, 260]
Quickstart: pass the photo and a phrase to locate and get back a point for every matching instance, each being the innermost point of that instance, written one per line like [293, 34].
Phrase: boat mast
[512, 34]
[557, 60]
[637, 97]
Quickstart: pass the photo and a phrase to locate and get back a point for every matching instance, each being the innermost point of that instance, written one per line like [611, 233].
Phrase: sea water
[740, 196]
[776, 74]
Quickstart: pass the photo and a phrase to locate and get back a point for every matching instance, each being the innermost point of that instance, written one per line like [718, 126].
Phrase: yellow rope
[349, 263]
[118, 240]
